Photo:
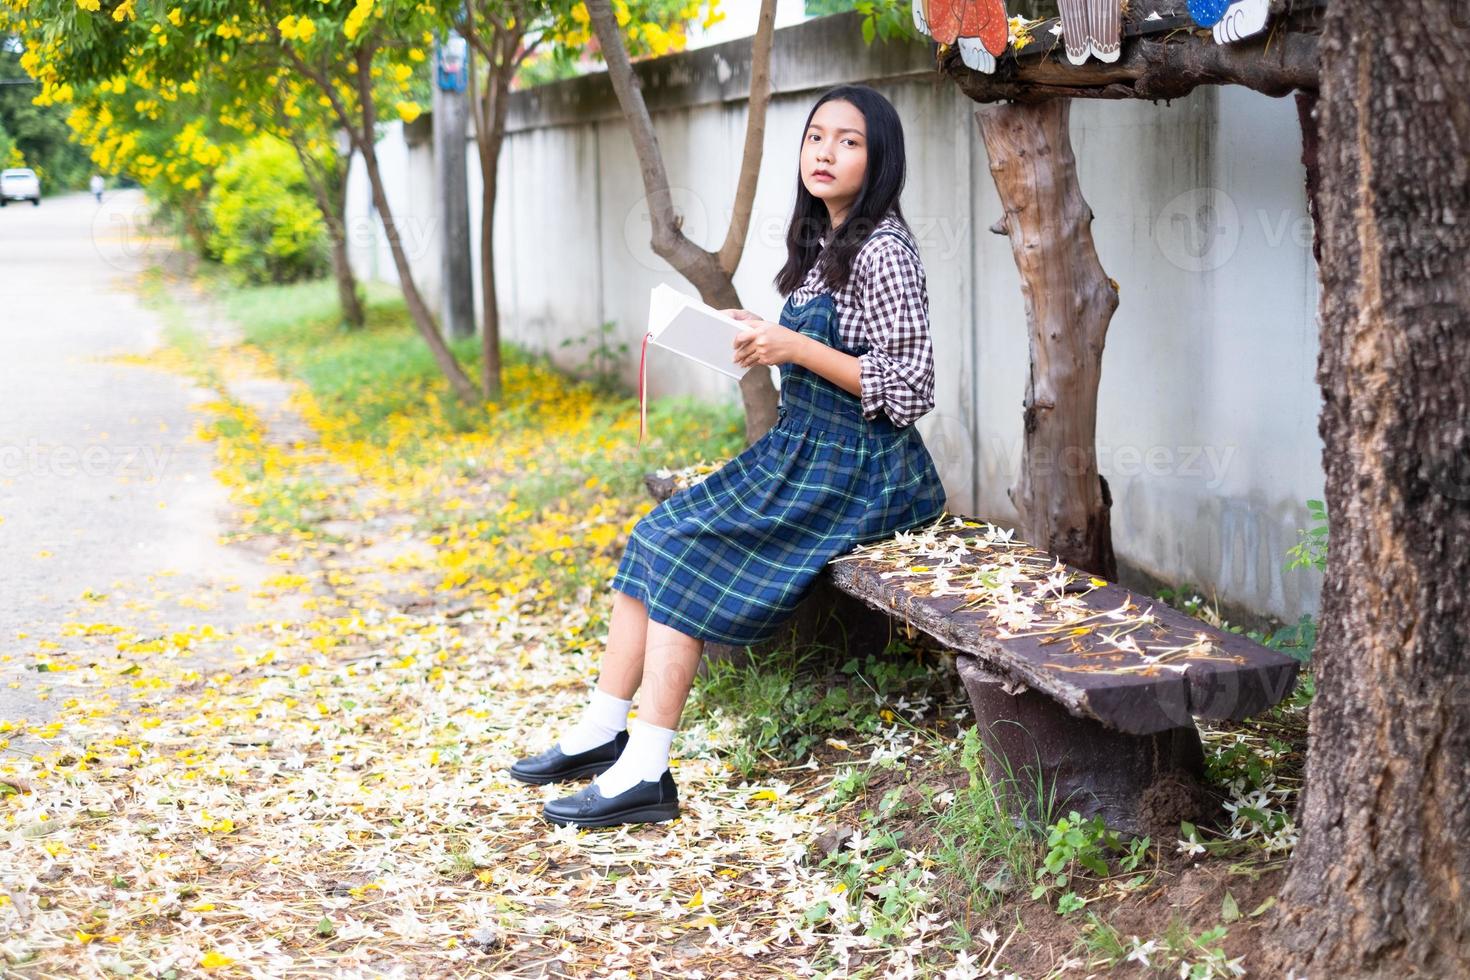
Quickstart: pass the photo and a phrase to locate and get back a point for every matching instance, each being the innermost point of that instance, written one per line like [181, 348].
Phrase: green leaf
[868, 30]
[1229, 911]
[1264, 906]
[325, 929]
[1070, 902]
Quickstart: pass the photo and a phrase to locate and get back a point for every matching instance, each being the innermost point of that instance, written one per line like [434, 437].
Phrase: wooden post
[1063, 501]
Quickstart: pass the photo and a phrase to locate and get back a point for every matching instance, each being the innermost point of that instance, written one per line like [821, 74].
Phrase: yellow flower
[408, 111]
[176, 17]
[356, 18]
[295, 28]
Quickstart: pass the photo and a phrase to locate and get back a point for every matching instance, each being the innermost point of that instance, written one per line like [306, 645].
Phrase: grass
[979, 843]
[370, 376]
[787, 702]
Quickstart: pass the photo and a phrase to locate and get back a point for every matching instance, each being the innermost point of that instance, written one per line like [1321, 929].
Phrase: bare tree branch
[755, 135]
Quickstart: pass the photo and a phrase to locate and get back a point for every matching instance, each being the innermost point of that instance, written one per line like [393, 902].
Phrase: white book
[690, 328]
[686, 326]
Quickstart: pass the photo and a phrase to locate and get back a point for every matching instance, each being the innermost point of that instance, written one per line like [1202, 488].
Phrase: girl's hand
[767, 343]
[740, 314]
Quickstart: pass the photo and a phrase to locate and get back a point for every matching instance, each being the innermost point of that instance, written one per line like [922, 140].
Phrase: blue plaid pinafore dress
[729, 558]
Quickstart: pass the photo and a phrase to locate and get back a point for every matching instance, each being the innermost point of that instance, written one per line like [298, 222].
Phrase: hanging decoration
[1242, 19]
[1207, 13]
[980, 27]
[1092, 28]
[941, 18]
[1089, 28]
[984, 34]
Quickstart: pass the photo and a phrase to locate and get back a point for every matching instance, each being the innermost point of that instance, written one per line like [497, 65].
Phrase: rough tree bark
[1062, 499]
[1379, 884]
[709, 272]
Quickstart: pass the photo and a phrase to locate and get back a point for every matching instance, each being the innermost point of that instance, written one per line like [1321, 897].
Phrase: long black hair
[876, 199]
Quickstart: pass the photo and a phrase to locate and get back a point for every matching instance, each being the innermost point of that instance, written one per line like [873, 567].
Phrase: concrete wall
[1207, 427]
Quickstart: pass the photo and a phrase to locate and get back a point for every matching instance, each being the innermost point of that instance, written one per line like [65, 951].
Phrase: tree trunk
[1062, 499]
[1379, 884]
[329, 188]
[418, 310]
[490, 111]
[711, 273]
[363, 129]
[349, 297]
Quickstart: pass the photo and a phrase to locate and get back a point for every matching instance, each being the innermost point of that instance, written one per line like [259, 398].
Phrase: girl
[728, 559]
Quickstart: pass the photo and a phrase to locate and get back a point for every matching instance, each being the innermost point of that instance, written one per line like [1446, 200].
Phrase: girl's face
[834, 156]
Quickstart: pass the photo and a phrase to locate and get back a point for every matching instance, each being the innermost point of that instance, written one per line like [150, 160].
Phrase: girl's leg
[669, 664]
[627, 637]
[606, 712]
[668, 673]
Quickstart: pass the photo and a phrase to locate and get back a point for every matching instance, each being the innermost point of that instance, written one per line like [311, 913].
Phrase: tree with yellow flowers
[276, 101]
[352, 62]
[354, 59]
[166, 144]
[503, 36]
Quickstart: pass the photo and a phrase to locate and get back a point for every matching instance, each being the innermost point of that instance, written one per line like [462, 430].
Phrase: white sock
[645, 758]
[602, 719]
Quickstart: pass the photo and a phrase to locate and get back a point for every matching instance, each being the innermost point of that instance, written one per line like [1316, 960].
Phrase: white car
[19, 184]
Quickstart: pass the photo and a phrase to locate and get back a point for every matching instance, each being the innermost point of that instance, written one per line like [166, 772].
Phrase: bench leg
[1036, 752]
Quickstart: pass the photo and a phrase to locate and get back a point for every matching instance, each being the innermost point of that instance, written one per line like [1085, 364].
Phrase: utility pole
[451, 112]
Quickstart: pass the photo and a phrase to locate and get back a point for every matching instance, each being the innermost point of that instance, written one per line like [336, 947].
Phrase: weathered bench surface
[1098, 649]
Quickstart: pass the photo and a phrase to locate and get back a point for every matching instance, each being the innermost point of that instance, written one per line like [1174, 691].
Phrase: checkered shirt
[885, 306]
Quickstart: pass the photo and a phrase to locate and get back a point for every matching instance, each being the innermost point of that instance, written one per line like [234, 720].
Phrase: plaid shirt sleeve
[897, 372]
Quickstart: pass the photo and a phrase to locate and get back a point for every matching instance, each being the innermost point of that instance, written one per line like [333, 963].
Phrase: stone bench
[1084, 692]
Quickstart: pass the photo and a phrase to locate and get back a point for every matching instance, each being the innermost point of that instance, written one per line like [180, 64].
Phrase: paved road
[101, 486]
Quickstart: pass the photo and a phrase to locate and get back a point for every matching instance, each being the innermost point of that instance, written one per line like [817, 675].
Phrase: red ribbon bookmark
[643, 389]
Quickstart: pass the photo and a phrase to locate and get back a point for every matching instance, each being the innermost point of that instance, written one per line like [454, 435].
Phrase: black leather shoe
[649, 802]
[554, 765]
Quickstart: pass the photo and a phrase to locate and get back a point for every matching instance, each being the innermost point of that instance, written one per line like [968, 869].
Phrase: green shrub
[265, 224]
